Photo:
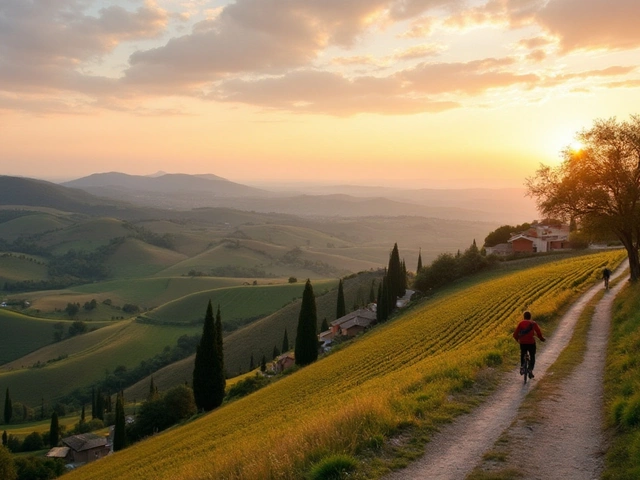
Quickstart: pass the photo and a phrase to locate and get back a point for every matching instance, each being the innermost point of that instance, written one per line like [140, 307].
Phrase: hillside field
[397, 382]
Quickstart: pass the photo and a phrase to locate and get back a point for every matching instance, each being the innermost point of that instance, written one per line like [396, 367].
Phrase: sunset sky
[421, 93]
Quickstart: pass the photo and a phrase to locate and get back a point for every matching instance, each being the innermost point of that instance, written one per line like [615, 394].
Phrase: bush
[32, 442]
[246, 386]
[334, 467]
[130, 308]
[37, 468]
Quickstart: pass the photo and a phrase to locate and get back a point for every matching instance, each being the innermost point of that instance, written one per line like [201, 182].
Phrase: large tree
[208, 376]
[54, 430]
[395, 279]
[119, 436]
[306, 350]
[341, 309]
[8, 407]
[598, 185]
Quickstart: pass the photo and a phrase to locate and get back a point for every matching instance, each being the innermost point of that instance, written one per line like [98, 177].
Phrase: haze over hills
[181, 191]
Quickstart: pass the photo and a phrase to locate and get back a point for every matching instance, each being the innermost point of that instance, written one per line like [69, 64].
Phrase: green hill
[135, 258]
[85, 359]
[385, 392]
[21, 334]
[16, 267]
[239, 304]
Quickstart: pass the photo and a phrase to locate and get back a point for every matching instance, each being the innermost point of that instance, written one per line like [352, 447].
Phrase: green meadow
[237, 303]
[85, 359]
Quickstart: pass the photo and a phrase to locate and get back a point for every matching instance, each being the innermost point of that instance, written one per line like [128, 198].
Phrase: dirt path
[568, 442]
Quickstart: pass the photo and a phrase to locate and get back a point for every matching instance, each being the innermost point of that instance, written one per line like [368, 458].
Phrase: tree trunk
[634, 263]
[632, 254]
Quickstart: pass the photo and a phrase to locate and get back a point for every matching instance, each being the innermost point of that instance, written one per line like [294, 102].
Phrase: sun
[576, 146]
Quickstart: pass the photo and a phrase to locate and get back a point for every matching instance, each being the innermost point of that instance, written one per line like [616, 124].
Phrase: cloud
[312, 91]
[420, 51]
[471, 78]
[43, 45]
[592, 24]
[267, 36]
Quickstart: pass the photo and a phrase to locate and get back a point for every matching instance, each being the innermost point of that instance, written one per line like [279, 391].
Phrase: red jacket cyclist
[525, 334]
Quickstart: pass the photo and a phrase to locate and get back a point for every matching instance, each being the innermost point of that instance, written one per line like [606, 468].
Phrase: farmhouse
[83, 448]
[540, 238]
[284, 361]
[348, 326]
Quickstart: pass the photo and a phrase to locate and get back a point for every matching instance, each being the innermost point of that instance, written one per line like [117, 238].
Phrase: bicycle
[606, 283]
[524, 370]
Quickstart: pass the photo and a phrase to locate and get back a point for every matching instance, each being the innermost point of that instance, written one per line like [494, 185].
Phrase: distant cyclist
[525, 334]
[606, 273]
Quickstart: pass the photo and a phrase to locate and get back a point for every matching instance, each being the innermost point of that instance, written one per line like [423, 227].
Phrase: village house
[541, 238]
[83, 448]
[348, 326]
[283, 362]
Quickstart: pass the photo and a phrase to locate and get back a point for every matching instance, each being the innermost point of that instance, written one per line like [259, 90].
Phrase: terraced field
[401, 377]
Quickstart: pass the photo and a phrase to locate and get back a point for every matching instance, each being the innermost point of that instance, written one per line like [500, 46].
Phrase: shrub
[333, 467]
[32, 442]
[631, 414]
[246, 386]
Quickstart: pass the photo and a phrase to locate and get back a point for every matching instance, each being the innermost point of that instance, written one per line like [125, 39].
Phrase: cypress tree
[372, 292]
[306, 350]
[54, 430]
[99, 405]
[379, 306]
[276, 352]
[119, 430]
[341, 309]
[252, 364]
[263, 364]
[93, 403]
[285, 342]
[325, 325]
[4, 438]
[153, 391]
[419, 267]
[219, 346]
[394, 278]
[8, 407]
[217, 371]
[403, 279]
[82, 417]
[207, 371]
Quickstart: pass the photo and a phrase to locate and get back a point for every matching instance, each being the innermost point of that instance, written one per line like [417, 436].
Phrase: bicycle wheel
[526, 368]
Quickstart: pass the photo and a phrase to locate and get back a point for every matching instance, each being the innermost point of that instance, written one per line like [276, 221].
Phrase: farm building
[83, 448]
[541, 238]
[348, 326]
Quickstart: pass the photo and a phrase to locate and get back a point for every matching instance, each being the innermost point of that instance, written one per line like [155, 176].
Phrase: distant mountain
[38, 193]
[114, 183]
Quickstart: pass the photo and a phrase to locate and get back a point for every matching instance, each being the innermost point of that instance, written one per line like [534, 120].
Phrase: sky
[415, 93]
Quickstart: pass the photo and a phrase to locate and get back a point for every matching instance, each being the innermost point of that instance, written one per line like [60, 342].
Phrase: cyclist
[606, 273]
[525, 334]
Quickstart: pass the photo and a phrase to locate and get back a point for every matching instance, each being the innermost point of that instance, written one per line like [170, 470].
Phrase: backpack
[524, 331]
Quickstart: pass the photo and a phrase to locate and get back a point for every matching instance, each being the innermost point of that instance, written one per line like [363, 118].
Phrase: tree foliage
[503, 234]
[599, 185]
[119, 436]
[341, 309]
[7, 468]
[54, 430]
[208, 372]
[306, 350]
[8, 408]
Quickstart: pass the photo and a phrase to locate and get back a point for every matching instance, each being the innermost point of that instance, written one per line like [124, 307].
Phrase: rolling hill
[386, 391]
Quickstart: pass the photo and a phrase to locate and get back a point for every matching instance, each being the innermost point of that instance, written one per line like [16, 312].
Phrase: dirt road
[567, 443]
